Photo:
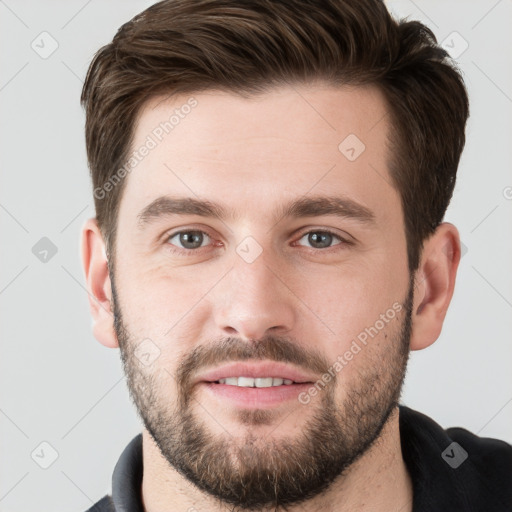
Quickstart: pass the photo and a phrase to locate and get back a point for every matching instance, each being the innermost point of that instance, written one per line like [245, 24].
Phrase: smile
[259, 382]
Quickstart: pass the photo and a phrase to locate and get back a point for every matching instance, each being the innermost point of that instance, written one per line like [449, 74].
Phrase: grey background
[60, 386]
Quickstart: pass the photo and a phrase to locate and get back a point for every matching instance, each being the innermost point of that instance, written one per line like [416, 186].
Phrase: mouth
[257, 374]
[255, 385]
[258, 382]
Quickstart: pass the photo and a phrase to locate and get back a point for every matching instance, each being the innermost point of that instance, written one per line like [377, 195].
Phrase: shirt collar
[127, 478]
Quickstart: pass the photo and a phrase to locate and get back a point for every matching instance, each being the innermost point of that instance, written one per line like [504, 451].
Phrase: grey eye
[189, 239]
[320, 239]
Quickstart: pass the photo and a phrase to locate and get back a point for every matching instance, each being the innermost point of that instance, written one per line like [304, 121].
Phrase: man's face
[323, 295]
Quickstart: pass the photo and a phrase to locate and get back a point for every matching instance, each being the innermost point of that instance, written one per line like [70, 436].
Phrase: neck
[378, 481]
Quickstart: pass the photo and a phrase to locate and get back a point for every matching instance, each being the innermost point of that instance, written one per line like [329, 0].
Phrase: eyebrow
[310, 206]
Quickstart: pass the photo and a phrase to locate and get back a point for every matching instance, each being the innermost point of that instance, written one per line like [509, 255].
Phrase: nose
[255, 300]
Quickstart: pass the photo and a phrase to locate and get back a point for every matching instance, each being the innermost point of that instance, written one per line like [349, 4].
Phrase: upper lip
[263, 369]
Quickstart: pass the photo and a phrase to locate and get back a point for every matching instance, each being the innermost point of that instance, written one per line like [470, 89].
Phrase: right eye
[189, 240]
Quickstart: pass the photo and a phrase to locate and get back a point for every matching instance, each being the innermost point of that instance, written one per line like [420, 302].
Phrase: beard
[257, 472]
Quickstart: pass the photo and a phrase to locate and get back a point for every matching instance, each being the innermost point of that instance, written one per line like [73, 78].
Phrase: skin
[252, 156]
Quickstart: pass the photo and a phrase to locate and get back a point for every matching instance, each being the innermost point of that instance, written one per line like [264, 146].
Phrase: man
[270, 181]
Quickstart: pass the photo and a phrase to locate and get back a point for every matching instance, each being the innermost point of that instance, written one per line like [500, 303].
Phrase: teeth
[259, 382]
[265, 382]
[245, 382]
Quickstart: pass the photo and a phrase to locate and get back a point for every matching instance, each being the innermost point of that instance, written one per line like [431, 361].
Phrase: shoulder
[455, 468]
[491, 457]
[485, 472]
[485, 450]
[104, 505]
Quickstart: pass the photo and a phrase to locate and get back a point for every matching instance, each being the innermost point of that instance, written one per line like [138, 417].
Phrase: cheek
[368, 362]
[350, 298]
[363, 307]
[156, 301]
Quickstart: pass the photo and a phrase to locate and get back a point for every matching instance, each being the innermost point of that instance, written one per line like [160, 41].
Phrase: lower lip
[256, 398]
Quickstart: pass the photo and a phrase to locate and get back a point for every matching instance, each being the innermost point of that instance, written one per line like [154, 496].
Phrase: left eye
[190, 239]
[321, 239]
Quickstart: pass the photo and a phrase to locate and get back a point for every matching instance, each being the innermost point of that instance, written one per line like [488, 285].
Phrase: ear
[434, 285]
[97, 278]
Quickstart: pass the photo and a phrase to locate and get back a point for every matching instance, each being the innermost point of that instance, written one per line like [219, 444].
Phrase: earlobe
[434, 285]
[98, 284]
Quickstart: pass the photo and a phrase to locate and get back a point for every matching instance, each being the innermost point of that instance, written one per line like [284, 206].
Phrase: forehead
[251, 153]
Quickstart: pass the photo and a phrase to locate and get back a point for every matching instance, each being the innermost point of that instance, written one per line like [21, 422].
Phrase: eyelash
[178, 250]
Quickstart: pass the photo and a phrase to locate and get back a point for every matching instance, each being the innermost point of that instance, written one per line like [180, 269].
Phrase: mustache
[273, 348]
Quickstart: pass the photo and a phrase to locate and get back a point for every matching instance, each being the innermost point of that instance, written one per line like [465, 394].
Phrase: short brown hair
[249, 46]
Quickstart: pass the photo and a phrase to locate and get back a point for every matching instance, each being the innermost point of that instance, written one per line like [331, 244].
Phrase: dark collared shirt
[451, 470]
